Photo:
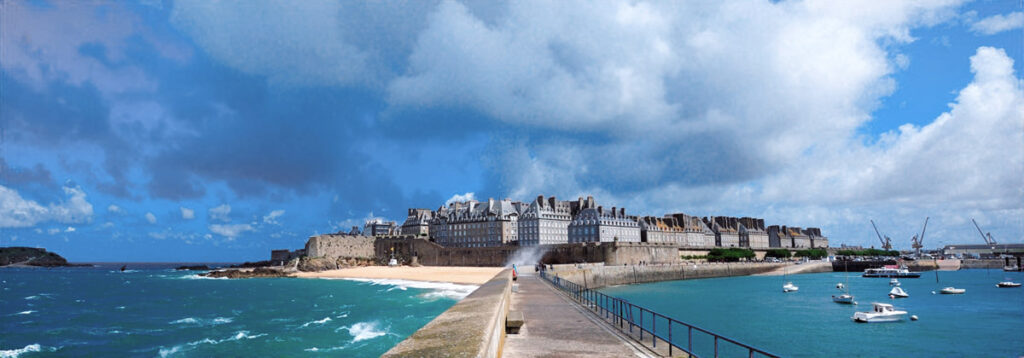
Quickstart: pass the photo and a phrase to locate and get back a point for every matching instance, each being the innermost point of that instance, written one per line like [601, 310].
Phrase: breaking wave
[322, 321]
[203, 321]
[166, 352]
[25, 312]
[31, 348]
[364, 330]
[438, 289]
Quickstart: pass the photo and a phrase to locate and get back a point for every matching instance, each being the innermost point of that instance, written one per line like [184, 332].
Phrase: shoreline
[445, 274]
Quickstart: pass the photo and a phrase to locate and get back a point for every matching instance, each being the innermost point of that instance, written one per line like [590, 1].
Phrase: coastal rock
[247, 264]
[260, 272]
[193, 268]
[30, 256]
[317, 264]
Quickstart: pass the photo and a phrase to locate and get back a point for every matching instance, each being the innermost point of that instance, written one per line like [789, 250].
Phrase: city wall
[600, 276]
[409, 250]
[332, 246]
[983, 264]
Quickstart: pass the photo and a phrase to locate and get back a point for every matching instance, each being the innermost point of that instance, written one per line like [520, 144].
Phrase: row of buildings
[549, 221]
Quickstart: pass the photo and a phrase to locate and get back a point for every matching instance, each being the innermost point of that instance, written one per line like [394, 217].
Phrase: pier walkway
[557, 327]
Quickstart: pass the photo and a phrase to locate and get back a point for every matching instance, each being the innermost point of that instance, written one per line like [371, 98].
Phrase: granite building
[417, 222]
[545, 222]
[754, 231]
[696, 231]
[599, 225]
[475, 224]
[661, 230]
[378, 227]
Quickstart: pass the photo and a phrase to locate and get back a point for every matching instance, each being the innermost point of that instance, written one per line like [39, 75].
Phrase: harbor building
[417, 223]
[727, 233]
[661, 230]
[753, 229]
[379, 227]
[696, 231]
[545, 222]
[475, 224]
[600, 225]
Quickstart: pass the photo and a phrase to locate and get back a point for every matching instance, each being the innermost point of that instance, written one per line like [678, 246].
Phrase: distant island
[31, 256]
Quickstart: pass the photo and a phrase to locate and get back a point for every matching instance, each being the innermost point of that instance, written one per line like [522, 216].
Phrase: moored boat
[891, 271]
[952, 291]
[1008, 284]
[845, 298]
[790, 287]
[894, 282]
[897, 292]
[881, 312]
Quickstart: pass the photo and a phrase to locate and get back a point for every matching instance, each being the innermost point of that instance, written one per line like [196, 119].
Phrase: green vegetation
[778, 253]
[867, 252]
[730, 254]
[813, 254]
[693, 257]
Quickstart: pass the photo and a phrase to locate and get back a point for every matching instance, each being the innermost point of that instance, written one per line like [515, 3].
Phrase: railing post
[654, 329]
[669, 321]
[641, 324]
[716, 345]
[689, 339]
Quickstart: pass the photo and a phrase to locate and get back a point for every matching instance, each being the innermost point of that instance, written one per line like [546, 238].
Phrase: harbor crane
[916, 241]
[987, 237]
[886, 242]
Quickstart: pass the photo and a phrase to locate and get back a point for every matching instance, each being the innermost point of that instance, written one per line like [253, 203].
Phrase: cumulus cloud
[114, 209]
[187, 214]
[998, 23]
[230, 231]
[271, 218]
[70, 229]
[455, 198]
[151, 218]
[16, 211]
[221, 213]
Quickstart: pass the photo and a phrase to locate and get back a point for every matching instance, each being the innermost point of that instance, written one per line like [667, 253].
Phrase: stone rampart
[600, 276]
[983, 264]
[473, 327]
[334, 246]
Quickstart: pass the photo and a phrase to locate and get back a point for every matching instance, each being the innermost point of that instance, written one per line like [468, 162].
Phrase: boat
[952, 291]
[894, 282]
[790, 287]
[881, 312]
[891, 271]
[1011, 268]
[1008, 284]
[124, 268]
[897, 292]
[845, 298]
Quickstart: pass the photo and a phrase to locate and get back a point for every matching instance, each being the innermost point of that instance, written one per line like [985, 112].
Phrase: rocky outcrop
[247, 264]
[30, 256]
[259, 272]
[316, 264]
[193, 268]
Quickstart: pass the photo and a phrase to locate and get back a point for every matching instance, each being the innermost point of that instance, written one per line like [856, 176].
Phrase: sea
[152, 310]
[986, 321]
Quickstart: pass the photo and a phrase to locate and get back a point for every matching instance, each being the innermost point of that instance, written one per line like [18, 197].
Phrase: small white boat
[897, 292]
[894, 282]
[952, 291]
[840, 286]
[790, 287]
[881, 312]
[1008, 284]
[845, 298]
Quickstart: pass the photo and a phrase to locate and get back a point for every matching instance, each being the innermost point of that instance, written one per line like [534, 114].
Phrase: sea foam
[365, 330]
[31, 348]
[322, 321]
[439, 289]
[165, 352]
[203, 321]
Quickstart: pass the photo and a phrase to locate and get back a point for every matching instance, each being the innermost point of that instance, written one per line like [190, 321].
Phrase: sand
[462, 275]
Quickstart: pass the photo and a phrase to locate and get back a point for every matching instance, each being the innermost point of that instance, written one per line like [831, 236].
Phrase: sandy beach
[462, 275]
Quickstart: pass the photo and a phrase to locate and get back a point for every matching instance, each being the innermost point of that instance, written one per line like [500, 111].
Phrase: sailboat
[789, 286]
[845, 297]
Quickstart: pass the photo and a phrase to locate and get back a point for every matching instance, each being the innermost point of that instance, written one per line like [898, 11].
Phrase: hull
[894, 275]
[1007, 285]
[878, 319]
[847, 300]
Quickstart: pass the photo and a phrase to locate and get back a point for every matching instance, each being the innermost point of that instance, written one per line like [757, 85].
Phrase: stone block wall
[334, 246]
[596, 277]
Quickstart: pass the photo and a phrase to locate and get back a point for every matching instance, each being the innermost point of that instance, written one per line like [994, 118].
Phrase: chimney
[490, 204]
[600, 210]
[622, 212]
[540, 200]
[552, 201]
[614, 212]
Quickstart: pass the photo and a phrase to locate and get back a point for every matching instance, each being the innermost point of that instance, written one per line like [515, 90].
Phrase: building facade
[545, 222]
[753, 229]
[697, 232]
[661, 230]
[599, 225]
[417, 222]
[475, 224]
[379, 227]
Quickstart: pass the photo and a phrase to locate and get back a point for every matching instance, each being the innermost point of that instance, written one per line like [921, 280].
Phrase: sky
[217, 131]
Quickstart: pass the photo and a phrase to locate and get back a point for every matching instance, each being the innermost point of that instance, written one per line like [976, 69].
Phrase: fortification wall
[984, 264]
[595, 277]
[626, 253]
[333, 246]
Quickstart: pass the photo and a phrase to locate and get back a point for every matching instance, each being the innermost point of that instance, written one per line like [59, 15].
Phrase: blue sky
[217, 131]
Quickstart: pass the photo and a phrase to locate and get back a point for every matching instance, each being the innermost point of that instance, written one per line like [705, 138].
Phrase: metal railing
[658, 327]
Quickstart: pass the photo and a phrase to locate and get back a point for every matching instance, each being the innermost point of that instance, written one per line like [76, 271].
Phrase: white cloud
[221, 213]
[272, 217]
[151, 218]
[70, 229]
[114, 209]
[16, 211]
[187, 214]
[53, 231]
[231, 231]
[998, 23]
[107, 225]
[455, 198]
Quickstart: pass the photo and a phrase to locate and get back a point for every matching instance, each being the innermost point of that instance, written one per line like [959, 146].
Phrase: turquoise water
[155, 311]
[984, 322]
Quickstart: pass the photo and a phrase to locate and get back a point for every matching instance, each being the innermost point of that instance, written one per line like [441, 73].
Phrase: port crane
[987, 237]
[886, 242]
[916, 241]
